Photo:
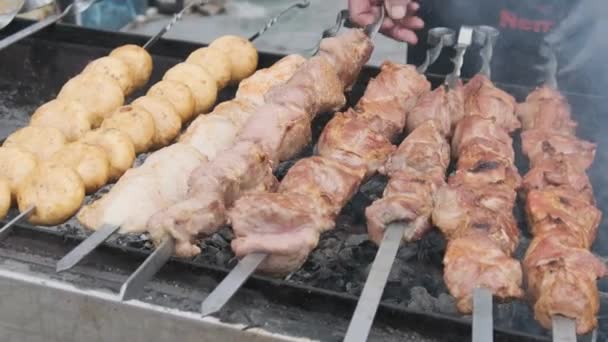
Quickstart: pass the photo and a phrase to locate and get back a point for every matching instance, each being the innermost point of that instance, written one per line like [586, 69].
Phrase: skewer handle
[486, 36]
[465, 38]
[177, 17]
[28, 31]
[438, 38]
[274, 20]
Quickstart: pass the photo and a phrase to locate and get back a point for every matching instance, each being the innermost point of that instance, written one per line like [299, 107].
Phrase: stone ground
[297, 31]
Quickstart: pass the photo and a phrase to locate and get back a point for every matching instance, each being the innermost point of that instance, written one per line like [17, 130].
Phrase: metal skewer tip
[86, 247]
[146, 271]
[229, 285]
[362, 320]
[564, 329]
[483, 321]
[8, 227]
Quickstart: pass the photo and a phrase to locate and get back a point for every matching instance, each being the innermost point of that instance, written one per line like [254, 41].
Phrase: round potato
[89, 161]
[178, 94]
[214, 61]
[202, 85]
[137, 123]
[166, 120]
[99, 93]
[16, 165]
[70, 117]
[56, 192]
[5, 197]
[242, 53]
[43, 142]
[118, 147]
[139, 62]
[115, 68]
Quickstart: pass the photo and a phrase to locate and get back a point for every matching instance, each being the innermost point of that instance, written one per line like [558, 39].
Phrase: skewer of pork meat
[284, 226]
[560, 270]
[279, 129]
[474, 210]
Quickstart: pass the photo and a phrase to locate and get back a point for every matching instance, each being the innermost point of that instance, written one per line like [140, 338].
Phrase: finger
[360, 12]
[404, 35]
[413, 7]
[397, 9]
[411, 22]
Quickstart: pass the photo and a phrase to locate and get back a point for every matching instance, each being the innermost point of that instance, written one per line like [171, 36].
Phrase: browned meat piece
[391, 95]
[406, 199]
[561, 279]
[416, 170]
[546, 114]
[425, 148]
[563, 204]
[475, 261]
[482, 98]
[326, 182]
[213, 187]
[471, 128]
[314, 88]
[461, 212]
[539, 145]
[286, 226]
[557, 172]
[485, 169]
[433, 106]
[347, 52]
[349, 140]
[281, 131]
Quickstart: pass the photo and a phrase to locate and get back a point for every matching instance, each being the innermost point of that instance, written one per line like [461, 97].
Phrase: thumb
[396, 9]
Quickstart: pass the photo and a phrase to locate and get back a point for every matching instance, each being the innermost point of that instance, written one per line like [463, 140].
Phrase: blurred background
[297, 31]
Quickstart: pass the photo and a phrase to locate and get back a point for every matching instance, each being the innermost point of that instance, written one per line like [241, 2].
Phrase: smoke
[580, 45]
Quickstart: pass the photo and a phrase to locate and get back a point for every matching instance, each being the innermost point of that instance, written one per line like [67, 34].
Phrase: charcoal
[345, 255]
[420, 299]
[226, 233]
[356, 240]
[218, 240]
[446, 304]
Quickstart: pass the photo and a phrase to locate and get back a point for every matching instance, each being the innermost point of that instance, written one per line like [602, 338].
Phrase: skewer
[367, 306]
[146, 271]
[332, 31]
[465, 38]
[246, 266]
[482, 298]
[564, 328]
[99, 236]
[78, 6]
[225, 290]
[271, 22]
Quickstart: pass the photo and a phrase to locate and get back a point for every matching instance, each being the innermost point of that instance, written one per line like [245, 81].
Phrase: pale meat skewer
[562, 216]
[207, 135]
[279, 129]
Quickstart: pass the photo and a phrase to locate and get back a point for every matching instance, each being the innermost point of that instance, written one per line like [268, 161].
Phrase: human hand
[399, 23]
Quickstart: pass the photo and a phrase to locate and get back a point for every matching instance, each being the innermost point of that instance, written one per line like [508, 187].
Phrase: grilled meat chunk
[539, 145]
[484, 99]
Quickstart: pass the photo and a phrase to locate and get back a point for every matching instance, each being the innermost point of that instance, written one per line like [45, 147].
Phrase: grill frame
[95, 42]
